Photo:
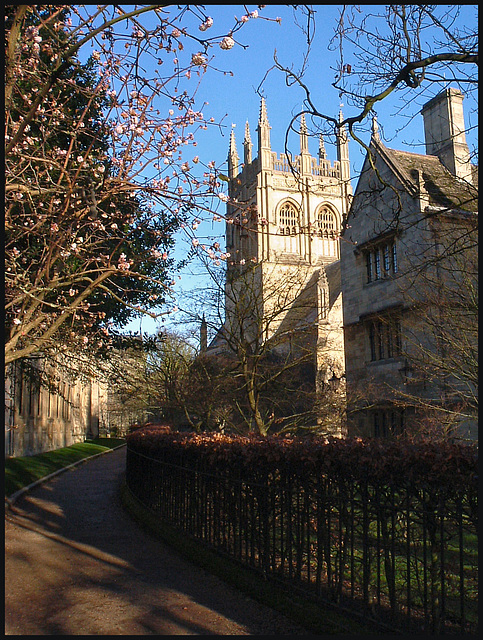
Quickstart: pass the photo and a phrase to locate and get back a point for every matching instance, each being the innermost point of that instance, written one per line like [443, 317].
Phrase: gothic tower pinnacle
[264, 148]
[233, 159]
[203, 335]
[343, 149]
[304, 144]
[374, 128]
[247, 146]
[322, 152]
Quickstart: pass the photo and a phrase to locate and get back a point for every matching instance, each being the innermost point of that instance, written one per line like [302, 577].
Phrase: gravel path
[77, 564]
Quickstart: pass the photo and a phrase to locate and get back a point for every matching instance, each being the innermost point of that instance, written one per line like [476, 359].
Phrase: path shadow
[100, 556]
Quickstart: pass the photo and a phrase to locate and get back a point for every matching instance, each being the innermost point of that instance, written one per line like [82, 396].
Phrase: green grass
[22, 471]
[311, 615]
[109, 443]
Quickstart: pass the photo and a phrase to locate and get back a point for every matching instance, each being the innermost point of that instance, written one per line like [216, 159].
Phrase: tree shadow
[94, 570]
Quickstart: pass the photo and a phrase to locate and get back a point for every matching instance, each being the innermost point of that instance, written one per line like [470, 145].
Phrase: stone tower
[300, 202]
[291, 209]
[284, 219]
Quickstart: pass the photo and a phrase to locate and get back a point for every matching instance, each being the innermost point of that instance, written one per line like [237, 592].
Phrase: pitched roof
[443, 188]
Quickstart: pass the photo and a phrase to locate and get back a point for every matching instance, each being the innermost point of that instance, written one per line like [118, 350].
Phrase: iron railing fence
[405, 557]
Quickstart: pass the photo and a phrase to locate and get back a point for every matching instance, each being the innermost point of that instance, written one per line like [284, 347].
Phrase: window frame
[386, 258]
[288, 224]
[326, 221]
[394, 257]
[384, 338]
[369, 277]
[372, 342]
[377, 264]
[380, 261]
[387, 422]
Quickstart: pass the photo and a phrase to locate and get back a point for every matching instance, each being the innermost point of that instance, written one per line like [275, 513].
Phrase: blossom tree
[100, 107]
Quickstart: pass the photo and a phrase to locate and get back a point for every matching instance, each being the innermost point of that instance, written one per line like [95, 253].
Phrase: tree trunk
[253, 399]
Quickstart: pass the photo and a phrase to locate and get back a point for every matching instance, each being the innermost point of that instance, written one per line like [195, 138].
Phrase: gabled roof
[443, 188]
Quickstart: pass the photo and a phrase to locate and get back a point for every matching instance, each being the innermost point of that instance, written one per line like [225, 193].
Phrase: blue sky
[233, 99]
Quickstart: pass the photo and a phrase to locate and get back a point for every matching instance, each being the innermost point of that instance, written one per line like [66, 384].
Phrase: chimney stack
[444, 131]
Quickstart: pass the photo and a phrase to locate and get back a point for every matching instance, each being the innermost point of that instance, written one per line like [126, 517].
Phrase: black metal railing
[404, 557]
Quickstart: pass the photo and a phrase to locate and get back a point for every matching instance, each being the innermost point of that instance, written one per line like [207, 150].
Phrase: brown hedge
[425, 464]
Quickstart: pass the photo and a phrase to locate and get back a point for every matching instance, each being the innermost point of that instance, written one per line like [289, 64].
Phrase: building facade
[45, 409]
[52, 405]
[409, 273]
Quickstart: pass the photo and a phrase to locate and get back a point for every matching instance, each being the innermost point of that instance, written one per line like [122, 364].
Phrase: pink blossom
[123, 264]
[206, 24]
[227, 43]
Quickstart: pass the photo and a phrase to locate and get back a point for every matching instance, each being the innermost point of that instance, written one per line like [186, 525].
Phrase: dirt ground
[77, 564]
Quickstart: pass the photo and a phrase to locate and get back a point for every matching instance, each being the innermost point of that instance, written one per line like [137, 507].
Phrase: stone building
[46, 409]
[409, 274]
[283, 223]
[50, 406]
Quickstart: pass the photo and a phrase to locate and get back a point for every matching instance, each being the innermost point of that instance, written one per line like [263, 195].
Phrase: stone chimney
[444, 131]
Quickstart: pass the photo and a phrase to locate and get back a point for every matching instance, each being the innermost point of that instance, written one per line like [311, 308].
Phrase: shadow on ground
[76, 563]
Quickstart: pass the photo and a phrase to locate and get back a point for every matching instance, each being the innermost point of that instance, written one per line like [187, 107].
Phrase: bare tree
[403, 51]
[442, 337]
[264, 322]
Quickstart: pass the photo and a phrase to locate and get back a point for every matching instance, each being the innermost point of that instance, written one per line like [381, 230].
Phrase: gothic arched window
[288, 218]
[326, 222]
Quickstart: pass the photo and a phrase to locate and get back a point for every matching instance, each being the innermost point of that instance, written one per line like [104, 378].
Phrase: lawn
[22, 471]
